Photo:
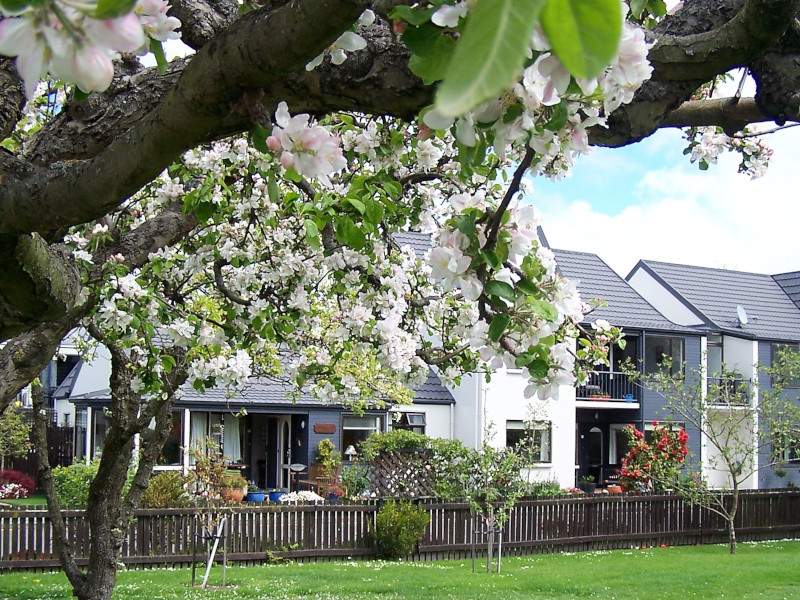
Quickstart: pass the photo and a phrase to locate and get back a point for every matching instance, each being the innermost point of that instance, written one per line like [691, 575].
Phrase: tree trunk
[732, 517]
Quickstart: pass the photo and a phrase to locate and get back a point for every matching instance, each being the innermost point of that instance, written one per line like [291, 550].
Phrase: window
[617, 444]
[785, 450]
[224, 430]
[649, 427]
[171, 454]
[357, 429]
[535, 436]
[660, 350]
[777, 351]
[411, 421]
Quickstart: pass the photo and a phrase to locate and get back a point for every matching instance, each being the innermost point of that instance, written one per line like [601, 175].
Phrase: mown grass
[32, 500]
[764, 571]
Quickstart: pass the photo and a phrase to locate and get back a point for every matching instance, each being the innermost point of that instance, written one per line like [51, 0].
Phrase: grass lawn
[767, 571]
[32, 500]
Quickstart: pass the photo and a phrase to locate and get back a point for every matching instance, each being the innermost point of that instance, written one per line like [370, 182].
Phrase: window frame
[676, 368]
[542, 435]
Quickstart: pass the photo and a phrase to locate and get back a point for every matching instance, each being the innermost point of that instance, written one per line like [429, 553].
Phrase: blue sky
[648, 201]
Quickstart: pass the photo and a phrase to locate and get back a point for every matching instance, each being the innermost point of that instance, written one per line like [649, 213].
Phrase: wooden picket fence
[322, 532]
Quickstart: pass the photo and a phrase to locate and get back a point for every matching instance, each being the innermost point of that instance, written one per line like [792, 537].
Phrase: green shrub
[544, 489]
[72, 482]
[398, 527]
[168, 488]
[355, 480]
[396, 439]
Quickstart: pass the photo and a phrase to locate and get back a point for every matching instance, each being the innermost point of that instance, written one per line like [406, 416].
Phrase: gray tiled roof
[790, 282]
[716, 294]
[625, 307]
[432, 391]
[420, 242]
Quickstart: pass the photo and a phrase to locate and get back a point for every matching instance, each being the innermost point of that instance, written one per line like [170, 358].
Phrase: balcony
[610, 387]
[729, 390]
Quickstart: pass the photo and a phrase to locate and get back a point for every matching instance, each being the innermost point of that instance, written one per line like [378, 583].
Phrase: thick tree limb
[251, 54]
[732, 114]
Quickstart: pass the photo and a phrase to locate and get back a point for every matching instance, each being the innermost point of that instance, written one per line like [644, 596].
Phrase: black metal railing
[608, 385]
[729, 390]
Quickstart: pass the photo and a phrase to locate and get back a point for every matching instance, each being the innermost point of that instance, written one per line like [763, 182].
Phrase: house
[269, 435]
[744, 319]
[582, 433]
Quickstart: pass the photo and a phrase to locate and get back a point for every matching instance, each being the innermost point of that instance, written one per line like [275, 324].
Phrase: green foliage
[233, 480]
[398, 527]
[584, 34]
[72, 483]
[355, 480]
[547, 489]
[168, 488]
[14, 433]
[395, 439]
[489, 54]
[328, 457]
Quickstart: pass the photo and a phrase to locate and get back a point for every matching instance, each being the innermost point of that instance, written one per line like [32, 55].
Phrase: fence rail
[166, 536]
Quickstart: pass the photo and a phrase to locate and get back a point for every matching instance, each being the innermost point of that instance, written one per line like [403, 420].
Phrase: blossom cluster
[68, 40]
[707, 143]
[12, 491]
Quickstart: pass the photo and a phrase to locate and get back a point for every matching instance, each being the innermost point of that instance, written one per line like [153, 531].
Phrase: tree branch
[252, 53]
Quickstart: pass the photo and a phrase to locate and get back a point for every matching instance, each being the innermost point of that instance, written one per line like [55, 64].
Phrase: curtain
[197, 432]
[232, 440]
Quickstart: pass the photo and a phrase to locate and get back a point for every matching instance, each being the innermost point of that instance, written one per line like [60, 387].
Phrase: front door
[284, 458]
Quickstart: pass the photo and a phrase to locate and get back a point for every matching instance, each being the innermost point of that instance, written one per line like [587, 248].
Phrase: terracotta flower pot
[232, 494]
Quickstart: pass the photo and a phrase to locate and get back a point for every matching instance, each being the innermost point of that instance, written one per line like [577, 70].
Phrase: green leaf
[491, 259]
[259, 137]
[158, 51]
[559, 118]
[584, 34]
[272, 188]
[349, 234]
[538, 368]
[501, 289]
[432, 65]
[374, 211]
[412, 16]
[527, 287]
[357, 204]
[111, 9]
[204, 211]
[15, 5]
[637, 6]
[79, 95]
[393, 188]
[167, 362]
[489, 55]
[312, 234]
[466, 224]
[544, 309]
[498, 326]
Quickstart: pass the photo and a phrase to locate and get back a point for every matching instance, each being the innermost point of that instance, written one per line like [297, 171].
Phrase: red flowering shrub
[12, 476]
[656, 465]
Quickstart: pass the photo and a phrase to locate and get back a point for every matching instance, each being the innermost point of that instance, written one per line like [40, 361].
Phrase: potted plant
[276, 495]
[254, 494]
[335, 491]
[232, 487]
[587, 484]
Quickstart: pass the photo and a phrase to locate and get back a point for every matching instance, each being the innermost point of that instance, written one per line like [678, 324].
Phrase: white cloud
[717, 218]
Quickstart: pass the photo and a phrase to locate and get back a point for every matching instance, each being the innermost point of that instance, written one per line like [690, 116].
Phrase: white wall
[504, 401]
[468, 410]
[662, 299]
[717, 475]
[741, 355]
[438, 418]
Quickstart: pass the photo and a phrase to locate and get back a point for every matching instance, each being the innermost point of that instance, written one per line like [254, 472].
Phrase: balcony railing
[608, 386]
[729, 391]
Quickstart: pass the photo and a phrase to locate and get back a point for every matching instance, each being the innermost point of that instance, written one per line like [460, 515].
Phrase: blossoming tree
[199, 215]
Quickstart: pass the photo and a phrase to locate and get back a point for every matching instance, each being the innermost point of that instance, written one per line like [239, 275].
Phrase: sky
[647, 201]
